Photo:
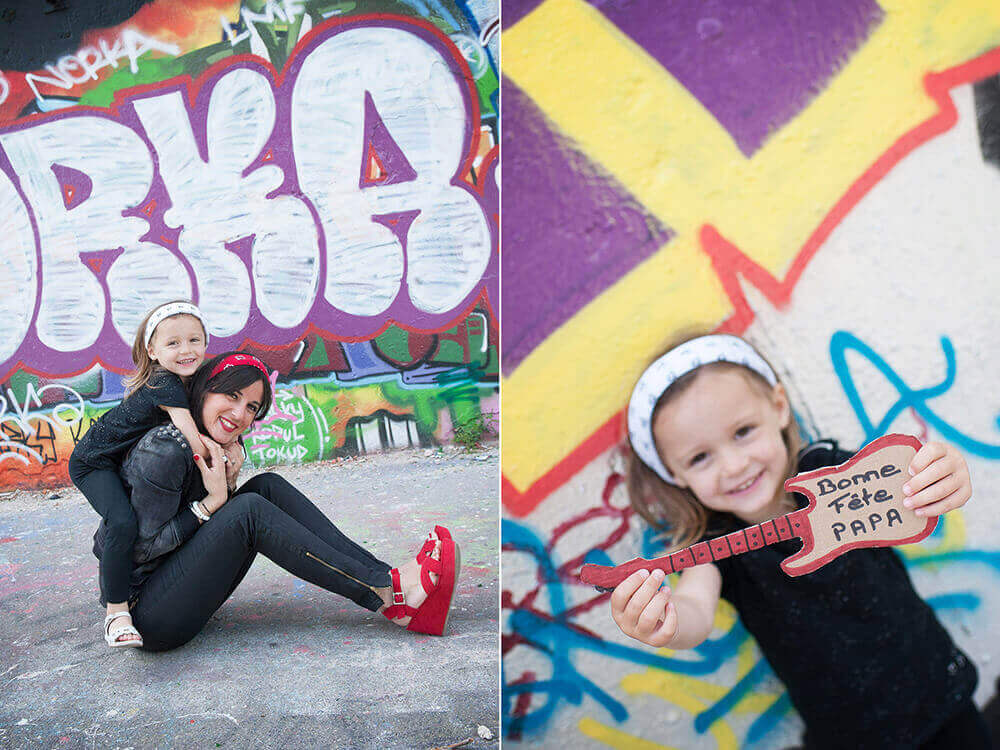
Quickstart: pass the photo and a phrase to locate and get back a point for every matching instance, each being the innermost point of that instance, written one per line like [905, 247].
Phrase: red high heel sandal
[431, 617]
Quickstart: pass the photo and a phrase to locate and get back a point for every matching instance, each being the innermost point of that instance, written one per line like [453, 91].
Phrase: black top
[160, 476]
[108, 440]
[864, 658]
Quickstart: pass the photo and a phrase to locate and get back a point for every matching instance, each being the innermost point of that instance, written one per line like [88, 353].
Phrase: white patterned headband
[663, 372]
[173, 308]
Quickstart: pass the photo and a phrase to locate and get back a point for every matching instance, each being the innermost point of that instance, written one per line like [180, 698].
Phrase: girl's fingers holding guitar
[653, 613]
[643, 595]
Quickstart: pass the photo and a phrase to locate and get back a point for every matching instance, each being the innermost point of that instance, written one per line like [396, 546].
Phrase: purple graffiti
[753, 65]
[241, 191]
[570, 229]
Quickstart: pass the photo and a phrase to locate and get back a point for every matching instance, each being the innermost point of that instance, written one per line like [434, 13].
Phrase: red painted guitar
[856, 504]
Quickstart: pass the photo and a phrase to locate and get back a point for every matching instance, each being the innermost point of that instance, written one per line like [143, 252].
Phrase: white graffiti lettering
[415, 97]
[216, 205]
[287, 435]
[285, 11]
[27, 435]
[72, 310]
[71, 70]
[18, 273]
[337, 203]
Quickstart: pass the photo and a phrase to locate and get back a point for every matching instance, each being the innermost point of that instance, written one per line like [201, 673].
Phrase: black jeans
[266, 515]
[104, 490]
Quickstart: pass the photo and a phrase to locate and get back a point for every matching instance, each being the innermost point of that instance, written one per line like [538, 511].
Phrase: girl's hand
[200, 447]
[234, 462]
[940, 480]
[213, 477]
[643, 610]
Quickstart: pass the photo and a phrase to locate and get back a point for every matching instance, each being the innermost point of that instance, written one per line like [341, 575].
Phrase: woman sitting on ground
[198, 535]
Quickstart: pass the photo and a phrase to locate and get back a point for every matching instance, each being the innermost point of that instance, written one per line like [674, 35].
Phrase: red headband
[234, 360]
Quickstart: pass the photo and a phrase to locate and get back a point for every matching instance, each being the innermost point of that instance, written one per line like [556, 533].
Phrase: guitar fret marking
[784, 530]
[702, 552]
[684, 559]
[718, 550]
[739, 542]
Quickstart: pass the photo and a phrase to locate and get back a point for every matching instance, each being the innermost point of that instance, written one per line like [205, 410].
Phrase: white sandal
[111, 635]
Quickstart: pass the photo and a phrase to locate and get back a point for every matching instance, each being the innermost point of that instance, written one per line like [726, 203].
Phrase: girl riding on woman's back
[865, 661]
[169, 346]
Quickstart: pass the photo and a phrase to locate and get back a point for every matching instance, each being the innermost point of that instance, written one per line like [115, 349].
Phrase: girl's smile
[744, 486]
[721, 438]
[178, 345]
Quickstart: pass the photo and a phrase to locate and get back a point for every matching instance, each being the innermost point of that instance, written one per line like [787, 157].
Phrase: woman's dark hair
[231, 379]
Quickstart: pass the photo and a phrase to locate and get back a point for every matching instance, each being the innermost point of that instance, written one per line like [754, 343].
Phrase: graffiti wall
[319, 176]
[821, 178]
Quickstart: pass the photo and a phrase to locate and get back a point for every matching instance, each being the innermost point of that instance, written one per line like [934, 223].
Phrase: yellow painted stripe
[631, 116]
[618, 739]
[574, 382]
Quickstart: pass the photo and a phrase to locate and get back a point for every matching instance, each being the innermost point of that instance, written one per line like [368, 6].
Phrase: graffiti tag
[332, 197]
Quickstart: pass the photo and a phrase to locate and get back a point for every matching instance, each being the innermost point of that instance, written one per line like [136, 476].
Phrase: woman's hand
[234, 462]
[213, 477]
[939, 480]
[643, 610]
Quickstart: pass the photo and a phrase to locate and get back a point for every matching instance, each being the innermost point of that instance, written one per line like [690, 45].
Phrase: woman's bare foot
[114, 609]
[409, 578]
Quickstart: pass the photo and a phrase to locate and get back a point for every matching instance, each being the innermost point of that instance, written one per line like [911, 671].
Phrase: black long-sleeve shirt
[865, 660]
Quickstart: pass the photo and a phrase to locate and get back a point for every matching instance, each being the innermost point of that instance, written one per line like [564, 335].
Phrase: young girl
[169, 346]
[864, 659]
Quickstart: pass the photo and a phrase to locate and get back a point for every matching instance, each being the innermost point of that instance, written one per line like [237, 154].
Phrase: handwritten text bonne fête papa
[851, 501]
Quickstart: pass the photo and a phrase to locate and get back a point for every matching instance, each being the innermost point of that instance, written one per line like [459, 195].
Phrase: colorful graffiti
[836, 210]
[318, 176]
[559, 655]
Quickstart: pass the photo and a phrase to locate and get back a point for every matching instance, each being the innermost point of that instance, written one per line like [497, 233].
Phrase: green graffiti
[295, 431]
[149, 69]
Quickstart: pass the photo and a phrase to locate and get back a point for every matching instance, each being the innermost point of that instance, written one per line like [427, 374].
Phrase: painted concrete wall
[823, 178]
[318, 176]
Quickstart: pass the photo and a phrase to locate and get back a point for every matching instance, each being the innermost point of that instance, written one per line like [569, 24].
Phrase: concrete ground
[282, 663]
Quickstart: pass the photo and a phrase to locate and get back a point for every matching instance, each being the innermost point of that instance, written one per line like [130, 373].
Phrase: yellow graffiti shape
[632, 117]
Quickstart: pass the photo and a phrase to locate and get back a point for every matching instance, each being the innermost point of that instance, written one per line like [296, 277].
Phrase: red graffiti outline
[730, 263]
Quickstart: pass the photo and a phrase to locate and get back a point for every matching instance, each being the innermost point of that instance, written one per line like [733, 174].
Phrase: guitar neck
[776, 530]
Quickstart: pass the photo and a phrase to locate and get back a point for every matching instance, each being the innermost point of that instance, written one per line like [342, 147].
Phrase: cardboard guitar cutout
[856, 504]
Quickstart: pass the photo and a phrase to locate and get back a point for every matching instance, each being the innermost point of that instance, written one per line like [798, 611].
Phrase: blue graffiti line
[842, 341]
[653, 545]
[706, 718]
[470, 16]
[986, 557]
[966, 600]
[769, 719]
[557, 638]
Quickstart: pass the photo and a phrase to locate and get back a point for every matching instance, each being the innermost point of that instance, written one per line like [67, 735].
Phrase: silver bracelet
[199, 512]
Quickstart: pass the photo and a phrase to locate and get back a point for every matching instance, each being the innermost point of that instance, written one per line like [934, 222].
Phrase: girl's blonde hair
[676, 510]
[144, 365]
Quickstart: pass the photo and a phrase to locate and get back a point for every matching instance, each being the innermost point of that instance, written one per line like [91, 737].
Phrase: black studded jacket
[160, 476]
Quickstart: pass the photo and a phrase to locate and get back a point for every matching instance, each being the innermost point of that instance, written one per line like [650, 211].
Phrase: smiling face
[721, 438]
[178, 345]
[226, 416]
